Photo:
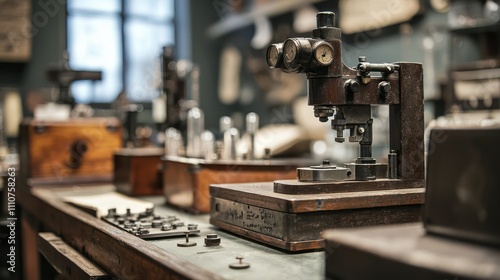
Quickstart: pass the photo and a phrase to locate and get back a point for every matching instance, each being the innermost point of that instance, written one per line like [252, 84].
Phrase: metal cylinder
[173, 141]
[365, 150]
[225, 123]
[252, 122]
[393, 164]
[195, 127]
[208, 145]
[231, 138]
[325, 19]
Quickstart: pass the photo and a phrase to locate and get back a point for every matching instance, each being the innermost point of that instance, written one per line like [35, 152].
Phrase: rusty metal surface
[410, 145]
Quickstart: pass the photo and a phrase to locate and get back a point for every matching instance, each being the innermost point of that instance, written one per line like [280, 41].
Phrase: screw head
[240, 264]
[352, 86]
[384, 88]
[361, 130]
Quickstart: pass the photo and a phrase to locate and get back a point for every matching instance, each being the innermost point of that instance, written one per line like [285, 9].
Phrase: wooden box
[294, 222]
[138, 171]
[72, 151]
[186, 180]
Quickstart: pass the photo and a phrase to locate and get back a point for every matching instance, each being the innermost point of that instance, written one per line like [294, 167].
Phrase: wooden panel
[138, 172]
[66, 260]
[186, 184]
[31, 262]
[65, 149]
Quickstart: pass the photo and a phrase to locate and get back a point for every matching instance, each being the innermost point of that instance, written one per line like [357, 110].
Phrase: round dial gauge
[274, 55]
[290, 50]
[324, 54]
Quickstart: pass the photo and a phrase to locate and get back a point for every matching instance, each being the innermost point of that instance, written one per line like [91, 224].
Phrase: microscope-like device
[291, 214]
[65, 77]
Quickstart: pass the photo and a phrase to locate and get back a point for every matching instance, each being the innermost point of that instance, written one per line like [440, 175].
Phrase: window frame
[123, 17]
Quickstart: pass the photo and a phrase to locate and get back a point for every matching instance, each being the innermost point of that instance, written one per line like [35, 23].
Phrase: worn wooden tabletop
[127, 257]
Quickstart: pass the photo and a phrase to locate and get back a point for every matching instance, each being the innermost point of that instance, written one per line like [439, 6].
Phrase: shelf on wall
[273, 8]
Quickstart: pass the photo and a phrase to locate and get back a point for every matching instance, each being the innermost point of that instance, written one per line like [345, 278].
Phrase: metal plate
[145, 219]
[333, 174]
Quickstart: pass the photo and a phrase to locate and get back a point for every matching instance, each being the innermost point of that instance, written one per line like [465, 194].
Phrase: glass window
[153, 9]
[143, 77]
[94, 44]
[113, 6]
[99, 33]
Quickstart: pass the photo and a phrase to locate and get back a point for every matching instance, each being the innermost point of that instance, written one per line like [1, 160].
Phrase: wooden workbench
[124, 256]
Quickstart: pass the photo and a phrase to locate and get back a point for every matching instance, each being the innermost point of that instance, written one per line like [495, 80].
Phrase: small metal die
[212, 240]
[128, 225]
[240, 264]
[111, 212]
[166, 227]
[187, 243]
[177, 224]
[146, 225]
[326, 172]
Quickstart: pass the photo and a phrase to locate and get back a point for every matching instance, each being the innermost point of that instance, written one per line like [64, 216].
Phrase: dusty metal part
[392, 171]
[350, 92]
[323, 173]
[240, 264]
[187, 243]
[367, 171]
[308, 174]
[212, 240]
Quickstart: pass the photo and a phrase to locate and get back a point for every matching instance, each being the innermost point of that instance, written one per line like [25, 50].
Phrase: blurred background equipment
[63, 78]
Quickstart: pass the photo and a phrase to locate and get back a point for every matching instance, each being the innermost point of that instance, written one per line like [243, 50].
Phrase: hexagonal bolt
[156, 223]
[166, 227]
